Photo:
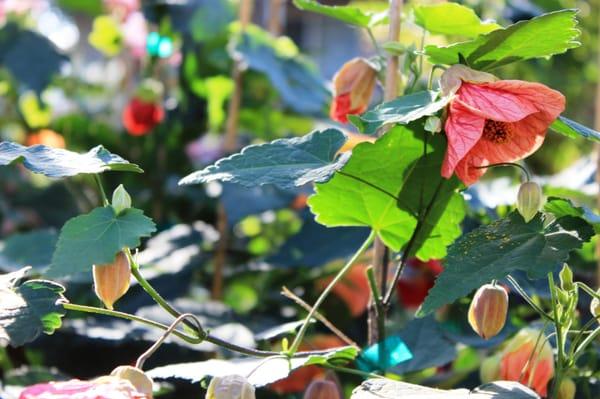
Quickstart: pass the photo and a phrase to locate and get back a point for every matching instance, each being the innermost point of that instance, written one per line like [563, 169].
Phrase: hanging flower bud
[595, 307]
[121, 199]
[529, 200]
[566, 278]
[487, 313]
[230, 387]
[353, 88]
[567, 389]
[111, 281]
[137, 377]
[322, 389]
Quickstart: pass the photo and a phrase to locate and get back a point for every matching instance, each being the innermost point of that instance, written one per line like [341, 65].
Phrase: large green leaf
[28, 309]
[540, 37]
[560, 207]
[386, 185]
[260, 372]
[56, 162]
[348, 14]
[285, 162]
[95, 238]
[572, 129]
[401, 110]
[495, 250]
[452, 19]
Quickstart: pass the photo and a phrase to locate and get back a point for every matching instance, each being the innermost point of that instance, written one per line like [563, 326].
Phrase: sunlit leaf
[543, 36]
[348, 14]
[385, 185]
[574, 130]
[56, 162]
[285, 162]
[452, 19]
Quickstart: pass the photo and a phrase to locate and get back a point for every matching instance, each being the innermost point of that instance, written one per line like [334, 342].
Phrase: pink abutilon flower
[100, 388]
[493, 121]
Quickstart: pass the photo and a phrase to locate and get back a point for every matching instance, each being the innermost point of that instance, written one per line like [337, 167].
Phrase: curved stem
[144, 356]
[588, 340]
[374, 42]
[516, 165]
[588, 290]
[528, 299]
[101, 189]
[328, 289]
[127, 316]
[433, 69]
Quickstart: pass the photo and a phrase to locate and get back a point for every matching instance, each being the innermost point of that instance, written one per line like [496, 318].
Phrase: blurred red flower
[140, 117]
[353, 86]
[417, 279]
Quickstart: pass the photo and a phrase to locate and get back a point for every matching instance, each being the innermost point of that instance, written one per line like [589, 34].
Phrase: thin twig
[289, 294]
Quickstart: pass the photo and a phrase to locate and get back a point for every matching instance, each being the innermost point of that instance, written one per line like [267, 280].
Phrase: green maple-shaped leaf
[495, 250]
[452, 19]
[95, 238]
[56, 162]
[285, 162]
[543, 36]
[387, 185]
[28, 309]
[349, 14]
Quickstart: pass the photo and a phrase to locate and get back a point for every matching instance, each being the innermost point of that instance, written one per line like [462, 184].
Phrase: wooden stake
[275, 11]
[391, 90]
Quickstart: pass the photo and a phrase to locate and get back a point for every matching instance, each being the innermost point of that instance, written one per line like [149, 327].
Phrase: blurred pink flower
[100, 388]
[122, 8]
[135, 32]
[205, 149]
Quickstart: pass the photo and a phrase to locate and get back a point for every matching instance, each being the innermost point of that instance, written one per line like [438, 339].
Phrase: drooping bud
[353, 88]
[529, 200]
[322, 389]
[567, 389]
[120, 199]
[433, 124]
[595, 307]
[111, 281]
[137, 377]
[487, 313]
[230, 387]
[566, 278]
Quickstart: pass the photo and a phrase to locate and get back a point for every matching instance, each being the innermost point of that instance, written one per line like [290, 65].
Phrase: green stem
[328, 289]
[528, 299]
[580, 334]
[588, 340]
[588, 290]
[433, 69]
[560, 350]
[516, 165]
[101, 189]
[375, 44]
[127, 316]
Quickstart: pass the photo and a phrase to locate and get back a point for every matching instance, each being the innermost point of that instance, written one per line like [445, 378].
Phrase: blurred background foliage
[69, 70]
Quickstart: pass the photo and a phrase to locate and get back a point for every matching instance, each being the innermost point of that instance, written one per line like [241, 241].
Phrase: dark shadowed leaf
[28, 309]
[285, 163]
[95, 238]
[16, 251]
[495, 250]
[573, 129]
[56, 162]
[560, 207]
[543, 36]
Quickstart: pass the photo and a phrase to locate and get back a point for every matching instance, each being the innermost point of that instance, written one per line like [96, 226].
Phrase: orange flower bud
[567, 389]
[111, 281]
[353, 88]
[137, 377]
[529, 200]
[322, 389]
[487, 313]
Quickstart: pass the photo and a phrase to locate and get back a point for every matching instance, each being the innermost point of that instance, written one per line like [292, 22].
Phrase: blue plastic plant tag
[394, 352]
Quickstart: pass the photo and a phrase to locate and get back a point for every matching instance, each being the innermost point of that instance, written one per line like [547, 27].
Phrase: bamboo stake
[275, 26]
[391, 90]
[597, 127]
